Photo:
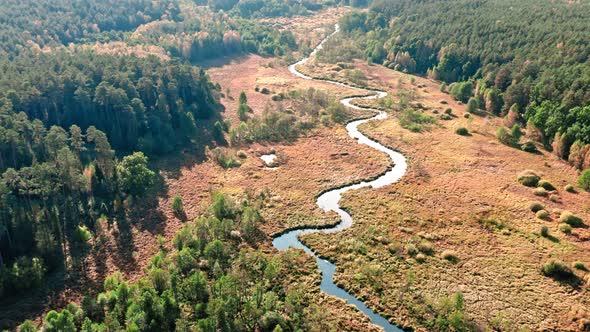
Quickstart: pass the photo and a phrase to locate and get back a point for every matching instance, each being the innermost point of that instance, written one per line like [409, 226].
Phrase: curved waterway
[329, 200]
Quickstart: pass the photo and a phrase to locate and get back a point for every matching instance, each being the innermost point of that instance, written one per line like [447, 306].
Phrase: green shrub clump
[546, 184]
[571, 219]
[542, 214]
[544, 231]
[426, 248]
[536, 206]
[450, 255]
[529, 178]
[556, 269]
[177, 205]
[579, 266]
[414, 120]
[529, 146]
[570, 189]
[565, 228]
[584, 180]
[462, 131]
[540, 192]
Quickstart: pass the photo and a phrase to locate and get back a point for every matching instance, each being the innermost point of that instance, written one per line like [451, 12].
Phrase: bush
[544, 231]
[571, 219]
[546, 184]
[556, 269]
[466, 115]
[449, 111]
[426, 248]
[411, 249]
[472, 105]
[540, 192]
[529, 146]
[516, 134]
[536, 206]
[82, 234]
[528, 178]
[579, 266]
[420, 258]
[450, 255]
[225, 159]
[542, 214]
[565, 228]
[570, 189]
[177, 205]
[503, 136]
[584, 180]
[415, 120]
[462, 131]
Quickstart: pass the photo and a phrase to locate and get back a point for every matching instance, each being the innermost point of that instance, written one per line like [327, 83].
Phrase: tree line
[139, 103]
[531, 56]
[207, 34]
[214, 280]
[24, 23]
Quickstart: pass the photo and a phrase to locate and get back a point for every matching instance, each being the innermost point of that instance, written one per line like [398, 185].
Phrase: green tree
[584, 180]
[243, 99]
[59, 322]
[472, 105]
[133, 174]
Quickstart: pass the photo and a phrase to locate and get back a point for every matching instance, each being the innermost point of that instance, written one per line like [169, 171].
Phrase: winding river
[329, 200]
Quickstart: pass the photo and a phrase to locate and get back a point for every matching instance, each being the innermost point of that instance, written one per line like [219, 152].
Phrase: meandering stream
[329, 201]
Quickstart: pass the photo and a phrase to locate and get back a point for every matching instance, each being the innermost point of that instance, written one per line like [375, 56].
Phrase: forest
[78, 128]
[45, 23]
[214, 280]
[529, 56]
[207, 35]
[64, 121]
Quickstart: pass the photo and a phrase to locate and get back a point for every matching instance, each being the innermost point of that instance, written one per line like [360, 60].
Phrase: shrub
[556, 269]
[462, 131]
[528, 178]
[554, 198]
[529, 146]
[225, 159]
[265, 91]
[571, 219]
[540, 192]
[472, 105]
[584, 180]
[536, 206]
[426, 248]
[450, 255]
[466, 115]
[82, 234]
[415, 120]
[449, 111]
[544, 231]
[579, 266]
[420, 258]
[565, 228]
[177, 205]
[542, 214]
[503, 136]
[570, 189]
[546, 184]
[516, 134]
[411, 249]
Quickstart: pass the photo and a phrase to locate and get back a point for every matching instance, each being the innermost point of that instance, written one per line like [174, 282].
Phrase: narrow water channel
[329, 201]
